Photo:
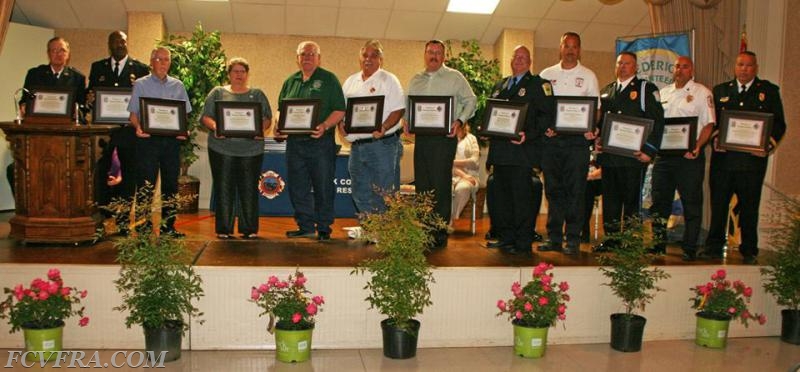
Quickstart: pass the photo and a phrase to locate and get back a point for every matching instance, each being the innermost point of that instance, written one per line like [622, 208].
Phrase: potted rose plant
[399, 283]
[40, 310]
[157, 280]
[291, 303]
[535, 308]
[717, 303]
[782, 273]
[632, 280]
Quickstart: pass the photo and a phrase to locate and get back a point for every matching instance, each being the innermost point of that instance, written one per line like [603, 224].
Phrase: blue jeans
[374, 169]
[311, 165]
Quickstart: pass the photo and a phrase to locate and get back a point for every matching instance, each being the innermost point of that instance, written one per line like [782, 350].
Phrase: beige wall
[787, 178]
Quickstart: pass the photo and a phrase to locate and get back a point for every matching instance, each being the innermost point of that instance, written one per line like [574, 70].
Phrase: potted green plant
[399, 283]
[157, 280]
[535, 308]
[199, 62]
[291, 303]
[717, 303]
[40, 310]
[782, 273]
[632, 280]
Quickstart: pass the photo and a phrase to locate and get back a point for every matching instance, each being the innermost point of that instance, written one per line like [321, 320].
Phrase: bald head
[683, 71]
[520, 60]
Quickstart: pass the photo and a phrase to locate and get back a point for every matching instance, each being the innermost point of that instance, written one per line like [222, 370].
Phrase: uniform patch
[102, 78]
[689, 98]
[317, 84]
[578, 82]
[548, 89]
[634, 95]
[521, 92]
[270, 184]
[762, 96]
[723, 99]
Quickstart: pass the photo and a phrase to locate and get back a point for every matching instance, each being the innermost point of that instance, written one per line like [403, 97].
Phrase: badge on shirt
[578, 82]
[102, 78]
[634, 95]
[724, 99]
[689, 98]
[548, 89]
[521, 92]
[372, 89]
[133, 78]
[316, 84]
[762, 96]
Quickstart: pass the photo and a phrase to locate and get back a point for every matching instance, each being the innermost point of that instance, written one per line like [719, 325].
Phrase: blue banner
[656, 54]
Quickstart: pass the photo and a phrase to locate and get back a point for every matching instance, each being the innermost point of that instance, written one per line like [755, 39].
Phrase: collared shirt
[625, 83]
[446, 82]
[122, 63]
[577, 81]
[381, 83]
[746, 85]
[322, 85]
[151, 86]
[693, 99]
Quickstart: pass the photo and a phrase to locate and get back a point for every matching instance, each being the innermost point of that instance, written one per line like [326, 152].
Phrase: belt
[373, 139]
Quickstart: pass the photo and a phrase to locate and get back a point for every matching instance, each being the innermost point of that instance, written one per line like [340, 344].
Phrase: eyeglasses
[308, 54]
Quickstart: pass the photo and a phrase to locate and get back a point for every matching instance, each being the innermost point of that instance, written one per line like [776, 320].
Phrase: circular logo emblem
[270, 184]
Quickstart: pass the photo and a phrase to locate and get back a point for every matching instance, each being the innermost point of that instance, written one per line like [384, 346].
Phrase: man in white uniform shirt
[375, 157]
[565, 158]
[684, 172]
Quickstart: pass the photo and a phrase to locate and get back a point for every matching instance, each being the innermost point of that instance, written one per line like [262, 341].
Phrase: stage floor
[272, 248]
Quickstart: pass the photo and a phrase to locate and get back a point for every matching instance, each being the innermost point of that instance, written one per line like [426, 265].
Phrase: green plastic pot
[42, 343]
[530, 342]
[293, 346]
[711, 332]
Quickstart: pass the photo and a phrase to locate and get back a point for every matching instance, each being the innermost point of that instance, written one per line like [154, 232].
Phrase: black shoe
[571, 249]
[512, 250]
[172, 232]
[549, 247]
[323, 237]
[489, 235]
[710, 255]
[300, 234]
[689, 256]
[537, 237]
[440, 242]
[601, 248]
[499, 244]
[750, 260]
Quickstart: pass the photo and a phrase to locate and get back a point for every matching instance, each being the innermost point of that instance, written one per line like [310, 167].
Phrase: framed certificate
[239, 119]
[111, 105]
[52, 102]
[430, 114]
[298, 115]
[364, 114]
[680, 135]
[623, 135]
[575, 115]
[163, 117]
[503, 118]
[745, 131]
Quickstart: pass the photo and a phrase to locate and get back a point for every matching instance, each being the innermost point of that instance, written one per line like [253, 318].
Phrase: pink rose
[263, 288]
[254, 293]
[563, 286]
[518, 315]
[748, 291]
[39, 284]
[703, 290]
[562, 316]
[43, 295]
[296, 318]
[84, 321]
[53, 274]
[516, 289]
[311, 309]
[762, 319]
[282, 285]
[319, 300]
[540, 269]
[562, 308]
[19, 292]
[746, 314]
[501, 305]
[721, 274]
[300, 281]
[543, 301]
[547, 288]
[65, 291]
[52, 287]
[84, 293]
[528, 306]
[732, 310]
[547, 279]
[272, 280]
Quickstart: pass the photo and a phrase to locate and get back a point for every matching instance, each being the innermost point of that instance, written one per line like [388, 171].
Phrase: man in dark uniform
[623, 176]
[119, 70]
[55, 74]
[513, 161]
[741, 173]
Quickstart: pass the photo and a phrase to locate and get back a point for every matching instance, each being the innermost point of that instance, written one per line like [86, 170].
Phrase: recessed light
[472, 6]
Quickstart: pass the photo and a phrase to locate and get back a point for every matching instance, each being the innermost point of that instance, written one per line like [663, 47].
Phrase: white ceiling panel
[523, 8]
[421, 5]
[50, 13]
[258, 19]
[602, 36]
[575, 10]
[548, 33]
[368, 4]
[407, 25]
[624, 13]
[113, 12]
[462, 26]
[213, 15]
[325, 3]
[311, 20]
[168, 8]
[362, 23]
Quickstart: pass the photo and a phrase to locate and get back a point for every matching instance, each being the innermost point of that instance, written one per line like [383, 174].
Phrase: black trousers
[512, 216]
[433, 171]
[746, 184]
[156, 155]
[622, 195]
[672, 173]
[235, 191]
[564, 170]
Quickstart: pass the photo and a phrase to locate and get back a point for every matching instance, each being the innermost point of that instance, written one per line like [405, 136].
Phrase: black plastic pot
[626, 332]
[167, 338]
[790, 326]
[398, 343]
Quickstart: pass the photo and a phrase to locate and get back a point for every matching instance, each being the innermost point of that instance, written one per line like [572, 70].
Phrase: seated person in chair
[465, 171]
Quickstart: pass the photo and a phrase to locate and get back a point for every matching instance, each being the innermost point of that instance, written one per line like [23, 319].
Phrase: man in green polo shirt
[311, 159]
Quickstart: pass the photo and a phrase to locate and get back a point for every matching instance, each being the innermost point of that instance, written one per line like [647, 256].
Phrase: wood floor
[272, 248]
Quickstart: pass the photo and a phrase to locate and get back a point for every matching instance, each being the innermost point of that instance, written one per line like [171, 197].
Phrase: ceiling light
[472, 6]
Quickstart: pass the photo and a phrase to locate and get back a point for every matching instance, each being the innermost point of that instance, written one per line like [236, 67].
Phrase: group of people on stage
[448, 164]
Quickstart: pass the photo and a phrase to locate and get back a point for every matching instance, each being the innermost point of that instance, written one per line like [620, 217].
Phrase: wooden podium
[54, 181]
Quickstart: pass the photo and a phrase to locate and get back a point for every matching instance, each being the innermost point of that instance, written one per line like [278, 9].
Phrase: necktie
[619, 88]
[116, 68]
[744, 89]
